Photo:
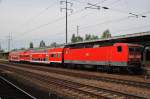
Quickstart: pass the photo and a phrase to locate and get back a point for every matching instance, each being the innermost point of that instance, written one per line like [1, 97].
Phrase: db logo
[87, 54]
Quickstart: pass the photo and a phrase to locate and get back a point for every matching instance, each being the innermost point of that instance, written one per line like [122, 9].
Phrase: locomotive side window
[119, 49]
[53, 55]
[44, 59]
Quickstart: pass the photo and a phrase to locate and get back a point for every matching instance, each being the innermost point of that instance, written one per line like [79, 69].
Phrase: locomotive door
[107, 56]
[109, 53]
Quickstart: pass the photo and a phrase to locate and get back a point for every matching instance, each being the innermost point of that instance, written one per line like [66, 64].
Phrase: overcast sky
[36, 20]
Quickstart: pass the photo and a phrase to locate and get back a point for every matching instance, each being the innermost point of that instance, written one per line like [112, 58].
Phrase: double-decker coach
[47, 55]
[38, 56]
[14, 56]
[24, 56]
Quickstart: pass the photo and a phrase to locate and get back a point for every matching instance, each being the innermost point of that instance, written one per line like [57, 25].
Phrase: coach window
[119, 49]
[44, 59]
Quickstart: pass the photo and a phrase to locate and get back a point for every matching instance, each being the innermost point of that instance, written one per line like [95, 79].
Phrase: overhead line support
[66, 9]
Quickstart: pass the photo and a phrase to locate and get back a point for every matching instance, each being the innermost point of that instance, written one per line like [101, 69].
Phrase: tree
[94, 37]
[31, 45]
[42, 44]
[76, 38]
[22, 49]
[106, 34]
[79, 39]
[14, 49]
[73, 39]
[54, 44]
[90, 37]
[87, 37]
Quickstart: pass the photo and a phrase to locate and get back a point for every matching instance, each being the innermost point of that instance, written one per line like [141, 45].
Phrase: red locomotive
[116, 56]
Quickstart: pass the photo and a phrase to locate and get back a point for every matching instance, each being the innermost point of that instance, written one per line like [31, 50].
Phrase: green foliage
[79, 38]
[14, 49]
[31, 45]
[76, 38]
[54, 44]
[90, 37]
[106, 34]
[87, 37]
[73, 39]
[93, 37]
[22, 49]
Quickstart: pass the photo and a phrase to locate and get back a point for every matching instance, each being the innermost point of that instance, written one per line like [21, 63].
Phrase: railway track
[88, 76]
[8, 90]
[85, 90]
[78, 88]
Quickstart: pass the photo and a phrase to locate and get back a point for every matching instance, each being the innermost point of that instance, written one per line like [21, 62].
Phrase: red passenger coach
[24, 56]
[48, 55]
[14, 56]
[38, 56]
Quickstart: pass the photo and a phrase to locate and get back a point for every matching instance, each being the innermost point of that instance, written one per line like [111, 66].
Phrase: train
[117, 56]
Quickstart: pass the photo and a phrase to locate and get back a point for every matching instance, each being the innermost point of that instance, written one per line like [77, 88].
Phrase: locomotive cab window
[53, 55]
[119, 48]
[131, 49]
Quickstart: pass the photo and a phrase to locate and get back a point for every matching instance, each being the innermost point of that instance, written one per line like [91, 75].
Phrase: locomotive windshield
[135, 49]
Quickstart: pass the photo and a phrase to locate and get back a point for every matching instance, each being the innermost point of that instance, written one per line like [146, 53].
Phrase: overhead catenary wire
[79, 1]
[133, 28]
[110, 4]
[51, 22]
[35, 16]
[90, 26]
[106, 22]
[56, 20]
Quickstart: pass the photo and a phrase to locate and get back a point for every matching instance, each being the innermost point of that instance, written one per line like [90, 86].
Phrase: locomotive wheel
[134, 70]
